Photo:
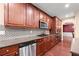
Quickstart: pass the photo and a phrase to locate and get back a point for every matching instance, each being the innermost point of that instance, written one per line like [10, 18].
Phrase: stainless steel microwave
[43, 25]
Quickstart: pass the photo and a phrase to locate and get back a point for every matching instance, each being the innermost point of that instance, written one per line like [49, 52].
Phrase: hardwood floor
[62, 48]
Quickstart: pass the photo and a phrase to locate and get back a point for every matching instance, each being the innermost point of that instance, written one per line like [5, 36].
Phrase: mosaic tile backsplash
[15, 33]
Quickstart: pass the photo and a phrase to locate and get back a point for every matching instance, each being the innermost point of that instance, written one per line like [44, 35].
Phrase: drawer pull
[16, 52]
[7, 50]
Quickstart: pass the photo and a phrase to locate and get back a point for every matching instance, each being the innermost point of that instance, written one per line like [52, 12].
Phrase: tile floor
[61, 49]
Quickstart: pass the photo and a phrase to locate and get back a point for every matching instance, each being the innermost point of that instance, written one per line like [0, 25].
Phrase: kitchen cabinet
[30, 18]
[40, 47]
[10, 51]
[12, 54]
[43, 16]
[24, 15]
[15, 15]
[49, 19]
[21, 15]
[56, 25]
[36, 18]
[46, 43]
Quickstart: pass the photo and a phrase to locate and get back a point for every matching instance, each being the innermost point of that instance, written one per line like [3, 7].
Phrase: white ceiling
[58, 9]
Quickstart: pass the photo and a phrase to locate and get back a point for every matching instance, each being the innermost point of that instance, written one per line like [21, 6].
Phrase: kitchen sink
[42, 35]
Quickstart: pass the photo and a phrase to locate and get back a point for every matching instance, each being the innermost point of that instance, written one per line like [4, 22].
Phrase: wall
[77, 25]
[2, 31]
[15, 33]
[67, 21]
[1, 14]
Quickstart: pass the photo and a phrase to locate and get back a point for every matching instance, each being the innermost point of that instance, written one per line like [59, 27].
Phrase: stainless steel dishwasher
[32, 49]
[27, 49]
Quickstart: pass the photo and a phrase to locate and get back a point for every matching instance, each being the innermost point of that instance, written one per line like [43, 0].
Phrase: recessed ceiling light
[67, 16]
[67, 5]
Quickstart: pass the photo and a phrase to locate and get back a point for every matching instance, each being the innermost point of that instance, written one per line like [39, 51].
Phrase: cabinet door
[30, 18]
[16, 14]
[49, 22]
[36, 18]
[46, 44]
[8, 50]
[40, 49]
[52, 26]
[15, 53]
[45, 17]
[53, 40]
[41, 15]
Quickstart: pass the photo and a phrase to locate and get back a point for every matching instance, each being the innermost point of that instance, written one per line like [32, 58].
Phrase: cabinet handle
[40, 40]
[7, 50]
[16, 52]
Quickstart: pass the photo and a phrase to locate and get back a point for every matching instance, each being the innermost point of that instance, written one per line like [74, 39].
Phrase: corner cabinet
[23, 15]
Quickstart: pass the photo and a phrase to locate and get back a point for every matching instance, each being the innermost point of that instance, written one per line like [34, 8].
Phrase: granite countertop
[20, 40]
[75, 46]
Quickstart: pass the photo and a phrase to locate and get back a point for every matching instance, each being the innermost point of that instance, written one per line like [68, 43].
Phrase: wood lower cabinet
[10, 51]
[40, 47]
[45, 44]
[15, 53]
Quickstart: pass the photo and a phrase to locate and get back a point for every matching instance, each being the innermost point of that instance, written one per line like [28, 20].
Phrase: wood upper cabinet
[15, 14]
[36, 19]
[43, 16]
[21, 15]
[30, 18]
[24, 15]
[49, 22]
[56, 24]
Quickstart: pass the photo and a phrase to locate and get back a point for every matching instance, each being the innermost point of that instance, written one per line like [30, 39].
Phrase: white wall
[77, 25]
[69, 20]
[1, 14]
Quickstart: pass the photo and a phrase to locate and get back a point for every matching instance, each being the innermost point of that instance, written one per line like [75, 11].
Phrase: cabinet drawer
[40, 40]
[8, 49]
[15, 53]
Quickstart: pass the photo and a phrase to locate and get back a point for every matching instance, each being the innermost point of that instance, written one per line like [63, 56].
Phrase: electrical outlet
[31, 31]
[2, 32]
